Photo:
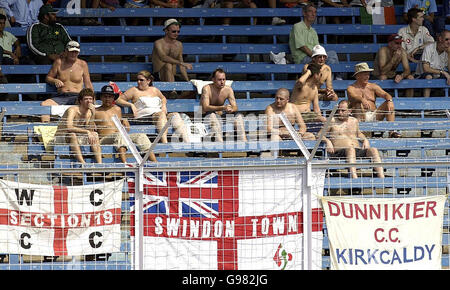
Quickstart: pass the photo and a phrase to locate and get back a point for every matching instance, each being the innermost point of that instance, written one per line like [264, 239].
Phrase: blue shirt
[428, 6]
[25, 13]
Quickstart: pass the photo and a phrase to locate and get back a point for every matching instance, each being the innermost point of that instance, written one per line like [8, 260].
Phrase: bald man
[275, 127]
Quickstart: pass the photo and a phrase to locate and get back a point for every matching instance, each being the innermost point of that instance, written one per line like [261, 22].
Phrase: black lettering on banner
[24, 195]
[93, 202]
[91, 240]
[23, 244]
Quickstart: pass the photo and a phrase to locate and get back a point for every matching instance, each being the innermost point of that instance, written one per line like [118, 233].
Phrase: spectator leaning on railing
[435, 62]
[388, 58]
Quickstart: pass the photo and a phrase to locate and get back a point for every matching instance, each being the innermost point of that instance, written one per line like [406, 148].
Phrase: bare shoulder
[325, 68]
[206, 90]
[269, 109]
[291, 107]
[57, 62]
[228, 89]
[116, 109]
[373, 86]
[82, 63]
[353, 120]
[351, 88]
[70, 111]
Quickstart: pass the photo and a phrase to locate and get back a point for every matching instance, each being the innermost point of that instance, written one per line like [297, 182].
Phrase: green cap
[46, 9]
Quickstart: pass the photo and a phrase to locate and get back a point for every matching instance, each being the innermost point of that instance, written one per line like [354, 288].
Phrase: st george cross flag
[58, 220]
[229, 219]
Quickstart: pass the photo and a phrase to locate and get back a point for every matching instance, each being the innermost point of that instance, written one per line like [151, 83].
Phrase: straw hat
[361, 67]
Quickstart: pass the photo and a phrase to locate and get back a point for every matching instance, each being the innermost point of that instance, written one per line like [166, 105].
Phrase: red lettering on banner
[240, 227]
[60, 220]
[418, 209]
[383, 211]
[227, 228]
[80, 220]
[430, 208]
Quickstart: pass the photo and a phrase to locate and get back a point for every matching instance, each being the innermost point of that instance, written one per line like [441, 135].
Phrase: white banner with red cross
[60, 220]
[234, 219]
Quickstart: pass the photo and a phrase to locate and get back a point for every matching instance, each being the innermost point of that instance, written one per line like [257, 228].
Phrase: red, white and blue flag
[227, 219]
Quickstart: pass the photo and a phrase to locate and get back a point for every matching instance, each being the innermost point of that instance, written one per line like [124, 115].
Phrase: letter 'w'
[24, 195]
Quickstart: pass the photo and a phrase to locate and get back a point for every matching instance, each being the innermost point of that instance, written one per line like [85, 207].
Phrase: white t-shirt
[431, 56]
[410, 41]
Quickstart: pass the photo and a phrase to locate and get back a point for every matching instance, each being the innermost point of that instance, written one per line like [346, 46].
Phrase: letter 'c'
[376, 236]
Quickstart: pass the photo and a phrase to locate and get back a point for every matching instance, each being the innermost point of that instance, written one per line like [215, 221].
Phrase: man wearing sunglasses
[168, 54]
[69, 75]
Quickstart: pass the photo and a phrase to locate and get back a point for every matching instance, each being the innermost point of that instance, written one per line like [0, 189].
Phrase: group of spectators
[84, 124]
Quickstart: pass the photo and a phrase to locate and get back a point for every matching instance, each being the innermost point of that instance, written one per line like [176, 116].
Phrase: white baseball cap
[318, 50]
[73, 46]
[171, 21]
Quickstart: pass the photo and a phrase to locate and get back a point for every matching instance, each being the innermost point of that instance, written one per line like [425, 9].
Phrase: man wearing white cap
[319, 56]
[362, 95]
[168, 53]
[68, 74]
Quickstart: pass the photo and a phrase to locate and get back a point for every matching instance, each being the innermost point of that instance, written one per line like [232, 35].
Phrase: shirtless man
[213, 105]
[319, 56]
[344, 137]
[68, 74]
[388, 59]
[108, 132]
[306, 91]
[77, 127]
[168, 53]
[362, 96]
[148, 103]
[275, 127]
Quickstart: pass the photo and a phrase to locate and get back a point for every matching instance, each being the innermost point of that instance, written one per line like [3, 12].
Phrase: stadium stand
[427, 118]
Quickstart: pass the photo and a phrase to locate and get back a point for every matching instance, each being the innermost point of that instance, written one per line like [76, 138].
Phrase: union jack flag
[220, 219]
[189, 203]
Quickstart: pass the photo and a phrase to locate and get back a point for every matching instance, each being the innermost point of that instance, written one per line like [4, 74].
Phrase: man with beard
[306, 92]
[47, 39]
[319, 56]
[344, 137]
[68, 74]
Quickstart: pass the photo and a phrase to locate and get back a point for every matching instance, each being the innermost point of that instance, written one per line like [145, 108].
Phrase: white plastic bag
[278, 58]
